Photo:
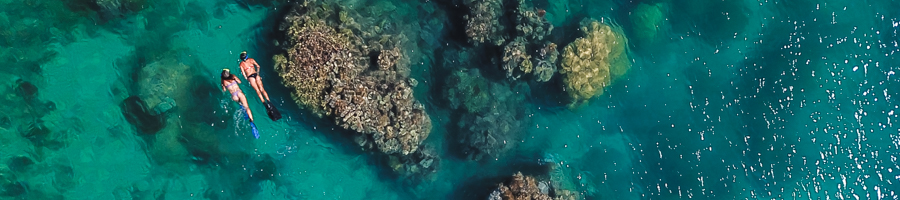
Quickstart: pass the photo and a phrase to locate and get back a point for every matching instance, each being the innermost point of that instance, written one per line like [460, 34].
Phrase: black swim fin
[272, 111]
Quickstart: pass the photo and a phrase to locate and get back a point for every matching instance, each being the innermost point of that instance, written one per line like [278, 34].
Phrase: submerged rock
[164, 107]
[647, 19]
[592, 61]
[20, 163]
[5, 122]
[141, 116]
[10, 185]
[118, 8]
[43, 136]
[26, 90]
[328, 69]
[161, 85]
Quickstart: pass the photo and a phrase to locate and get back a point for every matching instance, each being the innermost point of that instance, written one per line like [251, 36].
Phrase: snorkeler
[249, 66]
[230, 83]
[252, 76]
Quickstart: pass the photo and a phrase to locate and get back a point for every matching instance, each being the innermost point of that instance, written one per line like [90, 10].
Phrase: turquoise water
[729, 100]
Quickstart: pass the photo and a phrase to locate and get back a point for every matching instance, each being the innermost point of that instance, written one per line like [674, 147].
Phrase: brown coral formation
[530, 54]
[328, 70]
[517, 63]
[515, 60]
[384, 110]
[530, 22]
[483, 23]
[318, 57]
[545, 63]
[520, 187]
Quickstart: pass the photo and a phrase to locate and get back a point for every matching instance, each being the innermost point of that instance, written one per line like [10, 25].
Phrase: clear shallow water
[799, 103]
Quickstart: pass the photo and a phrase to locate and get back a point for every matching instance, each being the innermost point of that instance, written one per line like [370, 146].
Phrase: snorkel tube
[244, 56]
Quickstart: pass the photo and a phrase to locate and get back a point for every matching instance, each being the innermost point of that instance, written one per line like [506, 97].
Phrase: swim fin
[255, 131]
[252, 125]
[272, 111]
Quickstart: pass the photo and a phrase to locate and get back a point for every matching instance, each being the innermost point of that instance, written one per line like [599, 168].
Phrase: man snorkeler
[250, 70]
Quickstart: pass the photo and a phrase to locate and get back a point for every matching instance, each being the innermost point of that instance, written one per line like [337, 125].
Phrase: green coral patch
[647, 19]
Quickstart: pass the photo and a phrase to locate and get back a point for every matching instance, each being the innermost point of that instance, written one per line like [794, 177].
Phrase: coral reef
[591, 62]
[487, 135]
[518, 63]
[515, 60]
[389, 25]
[647, 19]
[520, 187]
[328, 70]
[392, 60]
[545, 63]
[322, 58]
[423, 162]
[530, 22]
[467, 90]
[492, 113]
[383, 110]
[484, 23]
[529, 54]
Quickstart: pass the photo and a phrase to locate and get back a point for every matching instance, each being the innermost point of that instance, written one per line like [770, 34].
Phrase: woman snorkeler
[230, 83]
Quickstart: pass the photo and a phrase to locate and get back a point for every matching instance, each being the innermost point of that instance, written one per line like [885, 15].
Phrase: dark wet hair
[243, 55]
[226, 75]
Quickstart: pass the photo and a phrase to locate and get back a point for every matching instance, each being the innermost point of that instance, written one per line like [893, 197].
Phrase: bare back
[231, 86]
[234, 89]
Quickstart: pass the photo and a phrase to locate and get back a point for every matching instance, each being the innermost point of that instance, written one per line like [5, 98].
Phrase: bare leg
[261, 88]
[255, 84]
[246, 106]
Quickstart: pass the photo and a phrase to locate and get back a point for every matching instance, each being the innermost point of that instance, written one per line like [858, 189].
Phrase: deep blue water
[728, 100]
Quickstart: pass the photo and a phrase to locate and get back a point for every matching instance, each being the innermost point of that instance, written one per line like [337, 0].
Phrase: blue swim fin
[252, 125]
[255, 131]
